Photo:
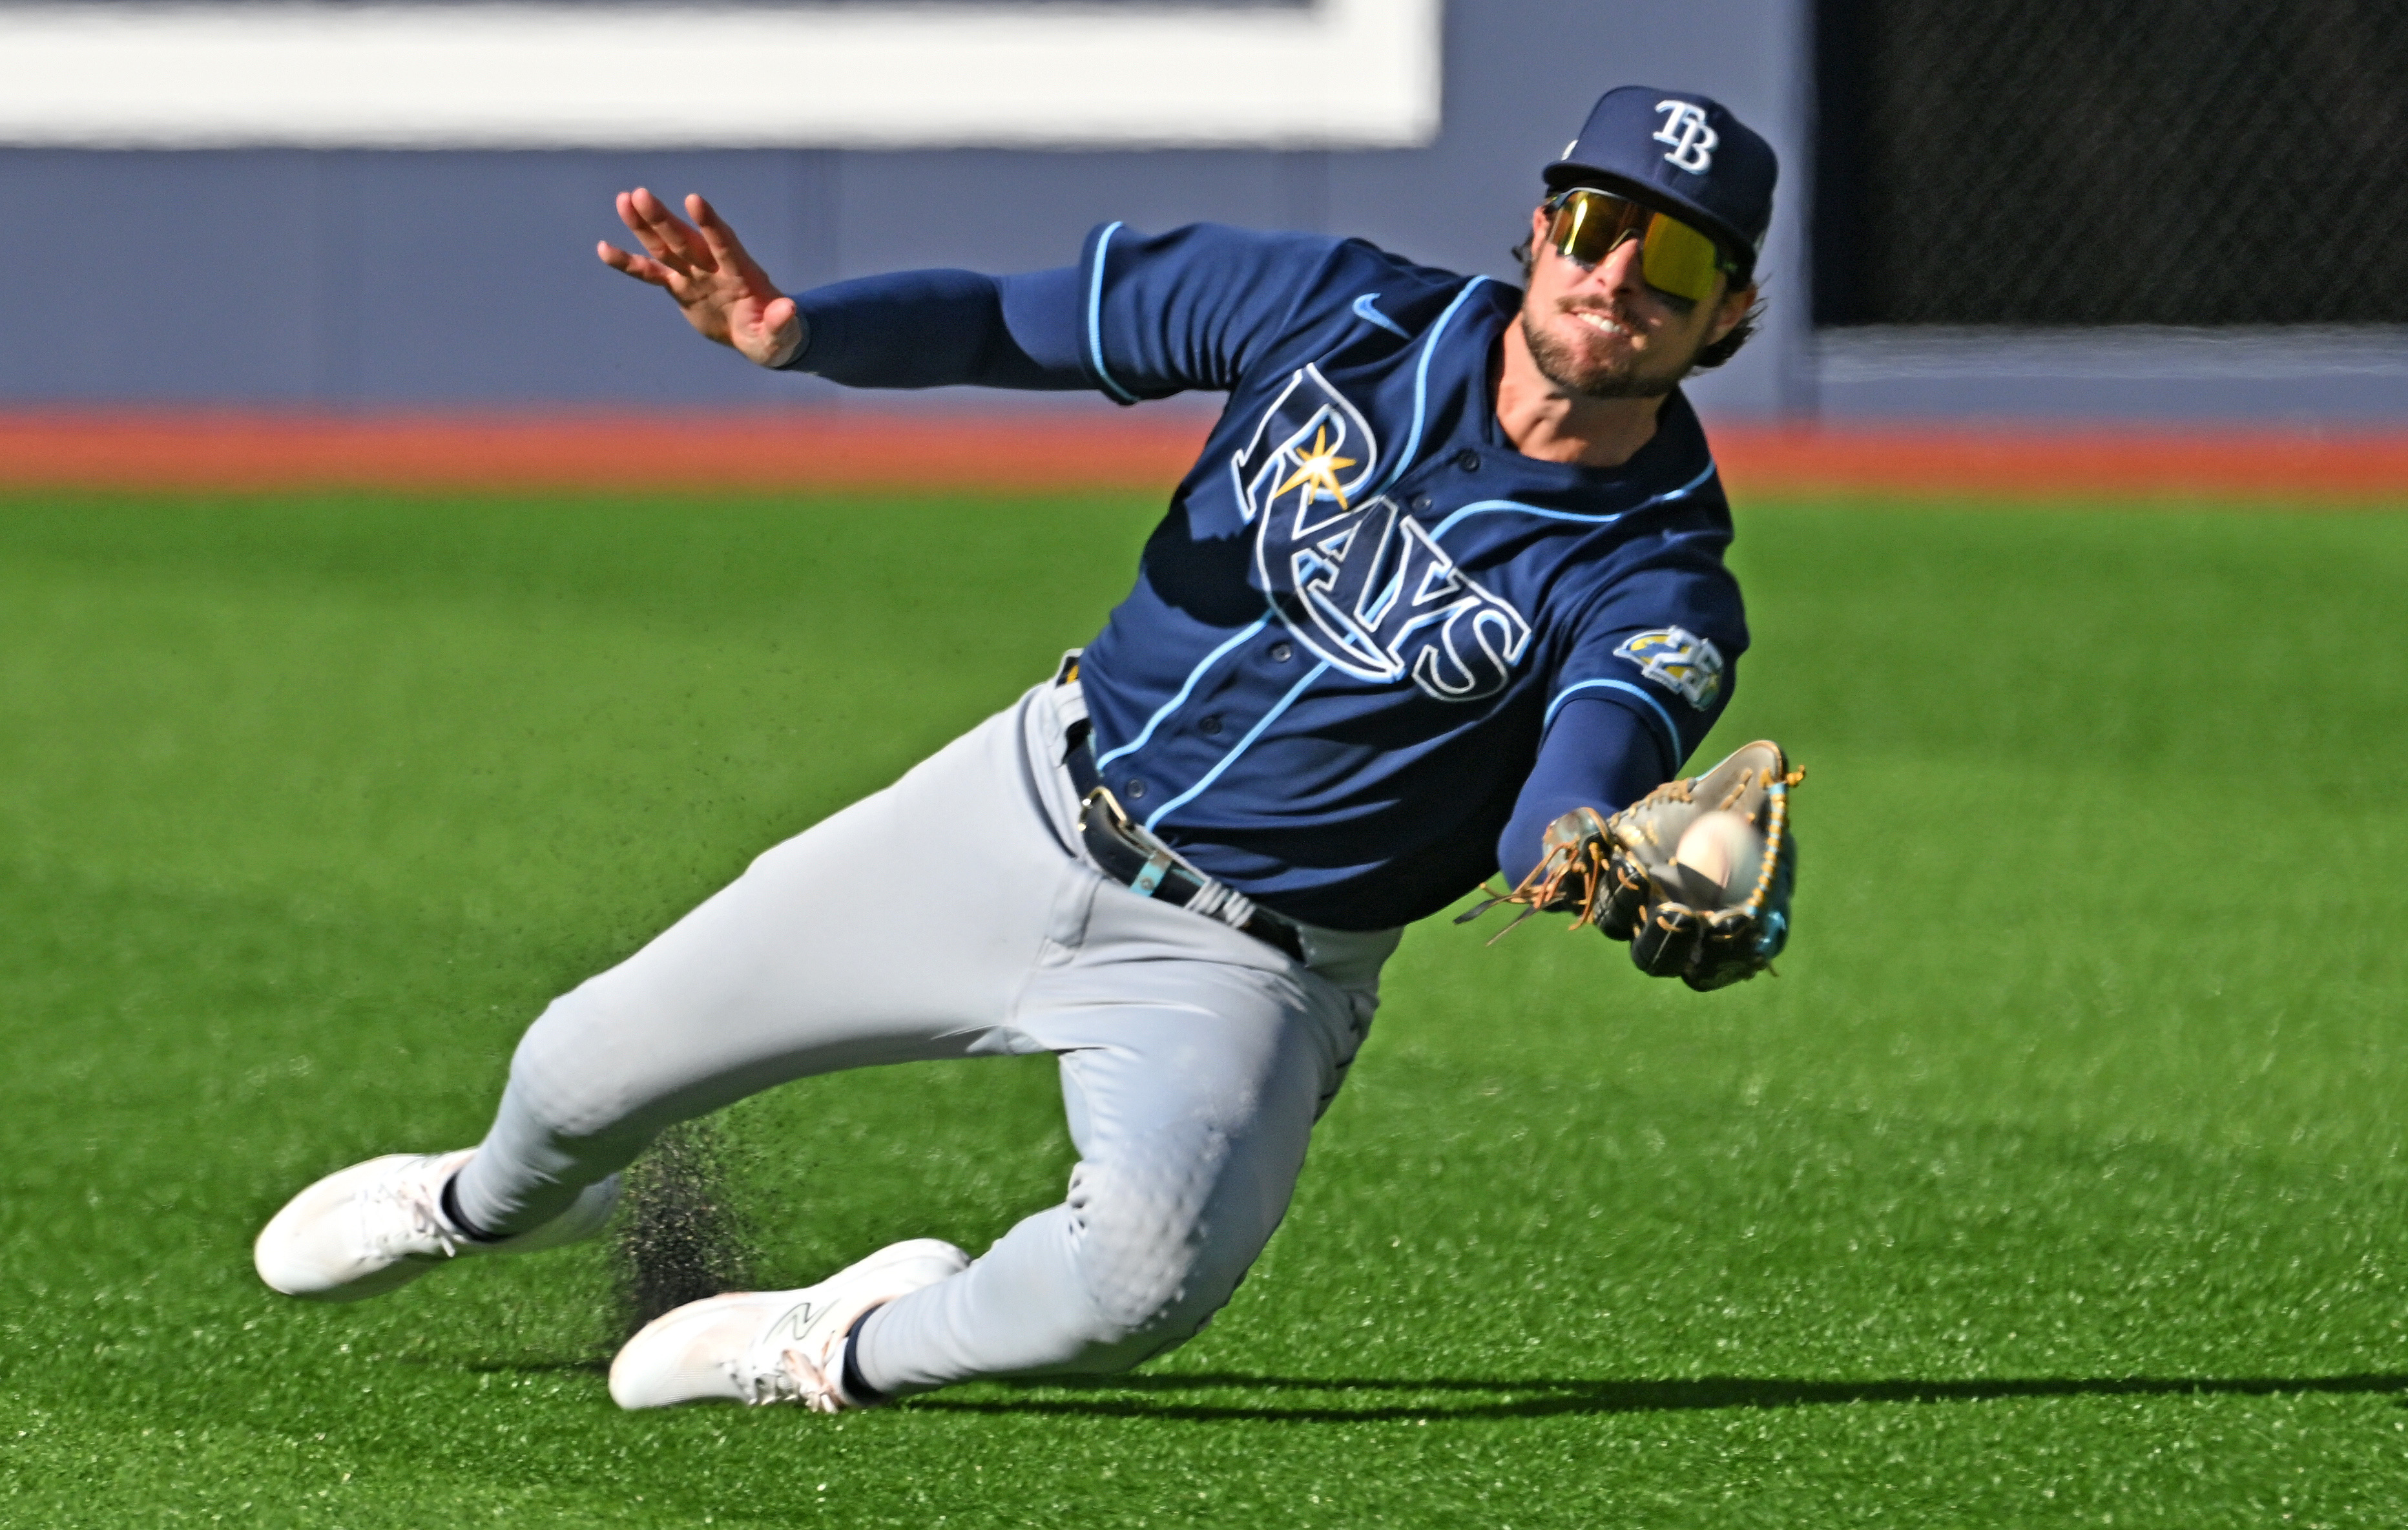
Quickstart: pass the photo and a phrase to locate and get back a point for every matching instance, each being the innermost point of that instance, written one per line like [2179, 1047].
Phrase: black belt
[1144, 864]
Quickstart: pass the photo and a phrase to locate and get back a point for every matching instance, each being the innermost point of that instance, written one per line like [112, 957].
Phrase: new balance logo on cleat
[766, 1347]
[796, 1322]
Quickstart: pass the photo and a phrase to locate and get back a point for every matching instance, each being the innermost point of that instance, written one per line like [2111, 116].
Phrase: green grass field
[2056, 1181]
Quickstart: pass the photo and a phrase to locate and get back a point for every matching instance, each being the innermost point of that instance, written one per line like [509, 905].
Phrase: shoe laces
[791, 1376]
[402, 1217]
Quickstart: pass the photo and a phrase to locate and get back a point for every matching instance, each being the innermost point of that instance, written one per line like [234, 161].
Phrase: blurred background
[2055, 210]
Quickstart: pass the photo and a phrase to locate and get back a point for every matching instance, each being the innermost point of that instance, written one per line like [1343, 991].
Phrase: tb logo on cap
[1685, 128]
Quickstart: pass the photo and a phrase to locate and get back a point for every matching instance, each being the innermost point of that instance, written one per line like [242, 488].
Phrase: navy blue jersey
[1364, 609]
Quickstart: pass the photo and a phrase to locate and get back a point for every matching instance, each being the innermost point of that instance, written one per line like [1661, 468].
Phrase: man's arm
[1139, 317]
[929, 330]
[1598, 753]
[910, 329]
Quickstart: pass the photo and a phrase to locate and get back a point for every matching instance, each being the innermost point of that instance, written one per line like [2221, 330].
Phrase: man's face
[1604, 333]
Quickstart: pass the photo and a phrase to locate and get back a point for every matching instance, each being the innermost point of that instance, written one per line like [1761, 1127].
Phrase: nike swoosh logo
[1364, 310]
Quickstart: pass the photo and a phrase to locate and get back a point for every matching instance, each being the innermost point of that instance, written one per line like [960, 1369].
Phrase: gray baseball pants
[955, 915]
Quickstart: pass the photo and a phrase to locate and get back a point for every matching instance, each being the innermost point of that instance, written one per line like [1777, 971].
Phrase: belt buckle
[1115, 817]
[1159, 857]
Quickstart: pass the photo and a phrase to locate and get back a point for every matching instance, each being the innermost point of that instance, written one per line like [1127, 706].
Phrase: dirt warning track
[162, 450]
[229, 450]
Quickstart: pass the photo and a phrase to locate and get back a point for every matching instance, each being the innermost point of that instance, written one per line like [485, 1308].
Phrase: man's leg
[905, 926]
[1195, 1062]
[902, 929]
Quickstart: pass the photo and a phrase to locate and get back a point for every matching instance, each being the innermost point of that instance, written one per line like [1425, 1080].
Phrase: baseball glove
[1695, 875]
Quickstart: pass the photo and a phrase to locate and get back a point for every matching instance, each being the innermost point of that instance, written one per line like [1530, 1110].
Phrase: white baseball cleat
[374, 1226]
[772, 1346]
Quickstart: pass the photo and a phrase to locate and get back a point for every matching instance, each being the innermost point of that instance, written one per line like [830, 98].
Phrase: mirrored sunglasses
[1589, 224]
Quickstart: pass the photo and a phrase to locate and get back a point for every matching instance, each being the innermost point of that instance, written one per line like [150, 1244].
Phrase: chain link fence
[2098, 161]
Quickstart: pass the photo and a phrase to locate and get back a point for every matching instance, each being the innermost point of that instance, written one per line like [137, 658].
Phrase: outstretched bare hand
[723, 291]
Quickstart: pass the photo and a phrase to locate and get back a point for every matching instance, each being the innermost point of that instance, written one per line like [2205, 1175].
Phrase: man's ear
[1735, 304]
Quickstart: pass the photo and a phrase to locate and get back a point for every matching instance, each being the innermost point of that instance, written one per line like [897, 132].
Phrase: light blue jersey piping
[1671, 734]
[1243, 744]
[1185, 691]
[1095, 319]
[1482, 507]
[1404, 459]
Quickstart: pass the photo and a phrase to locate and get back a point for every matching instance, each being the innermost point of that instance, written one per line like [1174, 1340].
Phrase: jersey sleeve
[934, 328]
[1662, 641]
[1596, 755]
[1650, 664]
[1193, 309]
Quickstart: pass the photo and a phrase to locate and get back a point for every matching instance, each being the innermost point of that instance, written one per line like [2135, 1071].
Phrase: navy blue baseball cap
[1682, 153]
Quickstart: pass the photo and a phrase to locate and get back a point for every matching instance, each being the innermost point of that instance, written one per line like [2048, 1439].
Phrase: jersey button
[1136, 790]
[1420, 501]
[1467, 459]
[1209, 727]
[1282, 653]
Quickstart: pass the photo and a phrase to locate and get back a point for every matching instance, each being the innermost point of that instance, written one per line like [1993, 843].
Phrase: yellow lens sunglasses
[1673, 256]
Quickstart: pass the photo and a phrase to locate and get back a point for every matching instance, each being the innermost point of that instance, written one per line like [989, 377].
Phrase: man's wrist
[791, 345]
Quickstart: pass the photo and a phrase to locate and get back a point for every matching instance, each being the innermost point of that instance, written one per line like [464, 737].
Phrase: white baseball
[1718, 847]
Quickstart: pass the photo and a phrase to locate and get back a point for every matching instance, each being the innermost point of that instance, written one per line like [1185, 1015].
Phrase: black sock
[855, 1385]
[450, 1201]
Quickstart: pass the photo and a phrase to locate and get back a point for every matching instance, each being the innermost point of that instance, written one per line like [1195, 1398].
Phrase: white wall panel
[1338, 73]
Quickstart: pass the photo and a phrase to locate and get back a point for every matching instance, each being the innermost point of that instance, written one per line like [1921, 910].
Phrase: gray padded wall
[365, 278]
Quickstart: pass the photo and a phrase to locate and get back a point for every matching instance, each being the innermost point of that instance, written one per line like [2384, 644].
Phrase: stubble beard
[1626, 377]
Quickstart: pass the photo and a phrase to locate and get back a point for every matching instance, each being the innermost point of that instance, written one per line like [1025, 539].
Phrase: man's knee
[1154, 1262]
[563, 1090]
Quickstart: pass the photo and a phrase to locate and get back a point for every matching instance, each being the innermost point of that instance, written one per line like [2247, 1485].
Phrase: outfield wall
[288, 264]
[392, 204]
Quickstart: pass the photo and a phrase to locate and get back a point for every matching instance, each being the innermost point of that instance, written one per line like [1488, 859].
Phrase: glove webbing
[1584, 857]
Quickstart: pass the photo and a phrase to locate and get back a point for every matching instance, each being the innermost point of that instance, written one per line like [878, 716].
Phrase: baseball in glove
[1695, 875]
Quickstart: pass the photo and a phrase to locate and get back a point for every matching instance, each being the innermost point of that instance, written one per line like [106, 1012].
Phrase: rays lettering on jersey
[1363, 585]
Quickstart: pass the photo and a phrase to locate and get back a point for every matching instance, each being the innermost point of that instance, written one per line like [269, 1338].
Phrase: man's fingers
[725, 248]
[678, 241]
[641, 227]
[714, 229]
[727, 252]
[655, 227]
[634, 265]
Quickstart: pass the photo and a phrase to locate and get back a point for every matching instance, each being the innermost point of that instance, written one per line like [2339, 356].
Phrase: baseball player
[1444, 594]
